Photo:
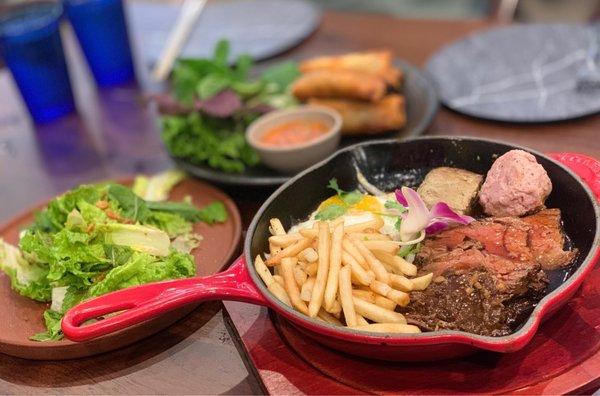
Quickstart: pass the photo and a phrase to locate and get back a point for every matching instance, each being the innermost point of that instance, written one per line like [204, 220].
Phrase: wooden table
[114, 136]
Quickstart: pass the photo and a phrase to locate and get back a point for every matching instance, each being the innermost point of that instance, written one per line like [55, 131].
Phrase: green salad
[212, 103]
[104, 237]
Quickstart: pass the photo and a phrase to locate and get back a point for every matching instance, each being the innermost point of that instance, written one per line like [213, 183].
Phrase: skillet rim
[507, 343]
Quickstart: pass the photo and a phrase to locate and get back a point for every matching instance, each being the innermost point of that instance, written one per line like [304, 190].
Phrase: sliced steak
[488, 275]
[547, 240]
[537, 238]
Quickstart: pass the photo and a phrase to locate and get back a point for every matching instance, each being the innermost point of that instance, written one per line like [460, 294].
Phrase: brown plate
[21, 317]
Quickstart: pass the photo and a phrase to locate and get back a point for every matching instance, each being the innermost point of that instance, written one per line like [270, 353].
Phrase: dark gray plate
[521, 73]
[421, 106]
[259, 28]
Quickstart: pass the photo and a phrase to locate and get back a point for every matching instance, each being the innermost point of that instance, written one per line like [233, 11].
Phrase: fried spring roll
[368, 118]
[377, 63]
[339, 84]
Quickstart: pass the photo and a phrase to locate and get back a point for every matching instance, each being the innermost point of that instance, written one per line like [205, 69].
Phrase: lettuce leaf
[132, 206]
[144, 268]
[53, 332]
[26, 278]
[171, 223]
[55, 215]
[214, 212]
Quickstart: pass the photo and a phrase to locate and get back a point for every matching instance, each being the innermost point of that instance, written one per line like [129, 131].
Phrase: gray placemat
[260, 28]
[521, 73]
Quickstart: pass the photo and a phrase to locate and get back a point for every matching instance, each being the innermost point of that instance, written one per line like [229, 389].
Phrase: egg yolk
[367, 204]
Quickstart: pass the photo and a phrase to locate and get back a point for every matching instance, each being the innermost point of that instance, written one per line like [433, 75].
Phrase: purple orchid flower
[419, 218]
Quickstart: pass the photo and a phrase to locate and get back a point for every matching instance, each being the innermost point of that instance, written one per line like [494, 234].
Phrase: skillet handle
[586, 167]
[140, 303]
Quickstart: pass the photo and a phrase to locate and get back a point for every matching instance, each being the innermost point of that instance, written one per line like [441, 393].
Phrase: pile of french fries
[345, 275]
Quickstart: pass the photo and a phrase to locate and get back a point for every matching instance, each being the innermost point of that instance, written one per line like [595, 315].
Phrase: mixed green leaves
[214, 102]
[347, 199]
[100, 238]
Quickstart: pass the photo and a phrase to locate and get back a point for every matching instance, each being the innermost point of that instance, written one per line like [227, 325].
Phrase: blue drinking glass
[101, 29]
[31, 47]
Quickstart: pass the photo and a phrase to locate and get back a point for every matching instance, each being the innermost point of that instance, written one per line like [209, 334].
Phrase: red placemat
[563, 357]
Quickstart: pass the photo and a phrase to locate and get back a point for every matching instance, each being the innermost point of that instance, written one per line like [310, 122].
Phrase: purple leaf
[261, 108]
[222, 105]
[167, 104]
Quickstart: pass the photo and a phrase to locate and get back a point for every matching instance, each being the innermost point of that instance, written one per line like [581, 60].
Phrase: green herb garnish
[348, 198]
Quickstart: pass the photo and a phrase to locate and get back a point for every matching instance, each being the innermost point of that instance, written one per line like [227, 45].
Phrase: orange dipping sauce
[293, 133]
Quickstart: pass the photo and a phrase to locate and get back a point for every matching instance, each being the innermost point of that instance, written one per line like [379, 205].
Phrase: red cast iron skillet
[387, 164]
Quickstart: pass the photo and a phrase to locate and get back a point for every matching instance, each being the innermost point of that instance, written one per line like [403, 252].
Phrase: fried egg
[362, 211]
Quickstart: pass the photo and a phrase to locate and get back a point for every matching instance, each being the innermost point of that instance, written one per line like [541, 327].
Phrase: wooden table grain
[115, 136]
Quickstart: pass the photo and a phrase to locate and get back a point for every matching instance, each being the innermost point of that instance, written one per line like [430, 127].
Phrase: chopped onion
[413, 242]
[366, 185]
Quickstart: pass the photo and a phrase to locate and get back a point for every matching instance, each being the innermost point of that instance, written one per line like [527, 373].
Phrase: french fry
[263, 271]
[306, 290]
[336, 309]
[371, 236]
[279, 279]
[299, 275]
[385, 290]
[380, 273]
[309, 232]
[276, 227]
[375, 223]
[345, 291]
[273, 286]
[274, 249]
[311, 269]
[285, 240]
[422, 282]
[384, 302]
[329, 318]
[289, 251]
[398, 264]
[376, 313]
[383, 246]
[309, 255]
[353, 251]
[358, 272]
[360, 321]
[279, 292]
[318, 291]
[291, 287]
[401, 283]
[388, 328]
[276, 270]
[366, 295]
[335, 263]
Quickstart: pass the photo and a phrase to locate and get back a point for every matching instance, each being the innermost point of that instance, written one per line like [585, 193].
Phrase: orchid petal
[418, 215]
[441, 211]
[400, 198]
[436, 227]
